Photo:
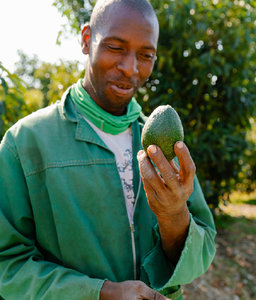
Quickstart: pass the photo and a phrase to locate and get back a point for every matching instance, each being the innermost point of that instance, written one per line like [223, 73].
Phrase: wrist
[175, 226]
[179, 215]
[173, 230]
[107, 290]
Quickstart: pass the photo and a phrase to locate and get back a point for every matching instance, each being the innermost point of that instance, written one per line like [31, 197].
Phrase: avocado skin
[163, 128]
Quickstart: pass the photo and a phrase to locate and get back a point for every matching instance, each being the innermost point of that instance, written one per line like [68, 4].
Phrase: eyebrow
[116, 38]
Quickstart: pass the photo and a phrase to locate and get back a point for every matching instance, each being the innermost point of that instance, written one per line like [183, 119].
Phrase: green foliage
[12, 104]
[247, 182]
[76, 12]
[33, 85]
[50, 79]
[206, 70]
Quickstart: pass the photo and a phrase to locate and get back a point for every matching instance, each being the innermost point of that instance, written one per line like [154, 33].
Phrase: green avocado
[163, 128]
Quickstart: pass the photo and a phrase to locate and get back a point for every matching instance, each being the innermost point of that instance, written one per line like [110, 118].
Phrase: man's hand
[167, 192]
[128, 290]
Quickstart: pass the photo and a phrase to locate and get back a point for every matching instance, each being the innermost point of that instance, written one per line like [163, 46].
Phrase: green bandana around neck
[98, 116]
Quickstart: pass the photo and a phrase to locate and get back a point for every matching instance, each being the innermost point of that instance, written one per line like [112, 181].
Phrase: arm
[24, 272]
[167, 195]
[186, 229]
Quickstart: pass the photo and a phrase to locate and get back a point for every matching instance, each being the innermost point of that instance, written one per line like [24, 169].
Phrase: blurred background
[206, 69]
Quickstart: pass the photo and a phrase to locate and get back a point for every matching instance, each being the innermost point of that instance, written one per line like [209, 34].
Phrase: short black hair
[98, 16]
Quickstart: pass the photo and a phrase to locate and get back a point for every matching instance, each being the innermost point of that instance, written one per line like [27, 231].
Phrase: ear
[85, 39]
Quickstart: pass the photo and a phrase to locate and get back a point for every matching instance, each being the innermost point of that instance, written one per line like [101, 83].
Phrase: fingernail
[140, 153]
[152, 149]
[180, 145]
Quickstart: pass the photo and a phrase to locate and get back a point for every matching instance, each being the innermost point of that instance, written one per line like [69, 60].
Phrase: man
[76, 222]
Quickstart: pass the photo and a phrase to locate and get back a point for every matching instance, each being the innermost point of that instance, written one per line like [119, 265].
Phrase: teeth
[122, 87]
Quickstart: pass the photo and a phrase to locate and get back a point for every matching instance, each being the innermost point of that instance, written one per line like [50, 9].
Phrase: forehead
[130, 25]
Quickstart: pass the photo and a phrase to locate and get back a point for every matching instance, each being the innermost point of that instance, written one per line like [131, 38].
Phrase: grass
[242, 208]
[236, 223]
[243, 198]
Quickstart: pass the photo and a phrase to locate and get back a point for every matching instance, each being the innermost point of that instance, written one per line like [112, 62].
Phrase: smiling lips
[122, 89]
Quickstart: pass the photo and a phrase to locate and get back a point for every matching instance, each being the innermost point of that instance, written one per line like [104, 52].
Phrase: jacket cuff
[163, 276]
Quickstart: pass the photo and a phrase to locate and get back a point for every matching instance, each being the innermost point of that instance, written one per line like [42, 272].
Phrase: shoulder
[41, 117]
[38, 123]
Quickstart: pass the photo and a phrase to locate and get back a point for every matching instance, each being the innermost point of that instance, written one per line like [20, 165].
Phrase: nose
[128, 65]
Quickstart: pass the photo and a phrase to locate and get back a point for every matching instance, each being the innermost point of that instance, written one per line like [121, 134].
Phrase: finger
[187, 166]
[164, 167]
[150, 294]
[175, 166]
[150, 192]
[149, 175]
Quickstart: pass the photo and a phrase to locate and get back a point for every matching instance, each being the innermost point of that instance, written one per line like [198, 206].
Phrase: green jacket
[63, 222]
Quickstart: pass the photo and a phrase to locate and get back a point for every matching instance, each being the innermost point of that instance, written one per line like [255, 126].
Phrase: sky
[33, 26]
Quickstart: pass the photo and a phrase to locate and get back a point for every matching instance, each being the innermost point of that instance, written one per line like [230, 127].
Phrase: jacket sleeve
[24, 273]
[196, 256]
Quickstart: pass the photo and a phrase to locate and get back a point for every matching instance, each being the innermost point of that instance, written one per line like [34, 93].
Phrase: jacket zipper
[133, 251]
[132, 236]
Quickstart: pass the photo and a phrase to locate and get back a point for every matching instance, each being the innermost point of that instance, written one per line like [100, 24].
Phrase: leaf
[2, 108]
[4, 85]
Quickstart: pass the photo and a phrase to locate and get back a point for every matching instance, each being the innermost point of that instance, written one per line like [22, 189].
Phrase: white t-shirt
[121, 145]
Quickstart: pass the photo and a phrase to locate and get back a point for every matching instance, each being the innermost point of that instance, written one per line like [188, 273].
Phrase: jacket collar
[84, 131]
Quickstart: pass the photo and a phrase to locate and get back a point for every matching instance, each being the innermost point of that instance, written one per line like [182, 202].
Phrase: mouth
[122, 89]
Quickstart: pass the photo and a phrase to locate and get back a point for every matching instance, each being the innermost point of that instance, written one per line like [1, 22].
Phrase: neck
[101, 118]
[89, 88]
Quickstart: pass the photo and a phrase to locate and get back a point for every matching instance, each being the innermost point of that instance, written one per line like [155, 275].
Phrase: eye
[114, 48]
[147, 56]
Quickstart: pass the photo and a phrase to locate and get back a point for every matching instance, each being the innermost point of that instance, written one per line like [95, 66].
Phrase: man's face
[121, 58]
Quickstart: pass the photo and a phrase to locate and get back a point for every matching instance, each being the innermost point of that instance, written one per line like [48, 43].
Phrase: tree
[12, 103]
[206, 70]
[33, 85]
[76, 13]
[50, 79]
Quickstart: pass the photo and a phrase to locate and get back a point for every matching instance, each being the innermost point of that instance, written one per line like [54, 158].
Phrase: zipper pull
[132, 227]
